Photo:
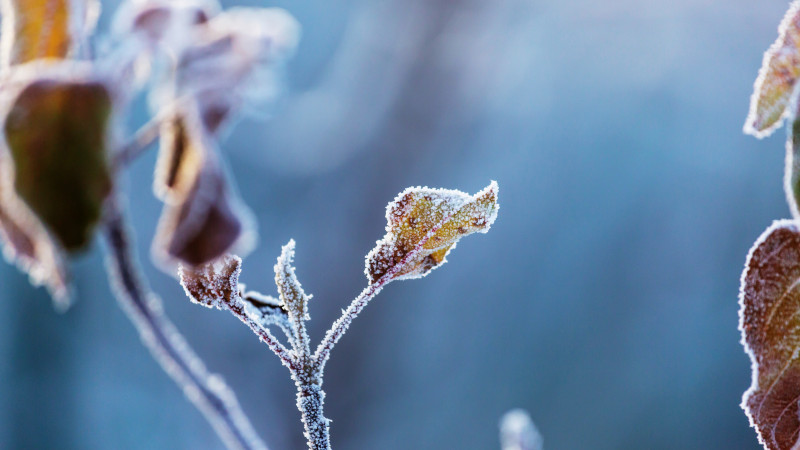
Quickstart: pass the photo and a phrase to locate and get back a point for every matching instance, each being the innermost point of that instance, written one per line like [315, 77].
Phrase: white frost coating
[208, 392]
[754, 386]
[518, 432]
[774, 49]
[294, 300]
[445, 205]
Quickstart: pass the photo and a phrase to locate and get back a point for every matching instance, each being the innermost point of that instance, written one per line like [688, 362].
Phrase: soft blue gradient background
[604, 300]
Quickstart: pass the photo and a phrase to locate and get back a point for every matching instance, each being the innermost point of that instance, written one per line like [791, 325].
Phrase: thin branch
[263, 333]
[207, 391]
[358, 304]
[145, 136]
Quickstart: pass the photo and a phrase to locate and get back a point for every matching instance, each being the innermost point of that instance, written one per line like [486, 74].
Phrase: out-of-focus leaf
[777, 78]
[518, 432]
[770, 326]
[431, 220]
[162, 22]
[56, 131]
[37, 29]
[27, 244]
[233, 60]
[202, 218]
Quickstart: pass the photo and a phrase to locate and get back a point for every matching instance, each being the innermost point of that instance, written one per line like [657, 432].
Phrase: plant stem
[207, 391]
[310, 402]
[139, 143]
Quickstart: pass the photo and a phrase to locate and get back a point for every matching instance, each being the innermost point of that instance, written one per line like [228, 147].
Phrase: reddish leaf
[202, 218]
[770, 326]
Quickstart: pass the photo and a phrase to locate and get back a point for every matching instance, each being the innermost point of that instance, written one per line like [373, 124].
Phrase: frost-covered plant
[769, 296]
[424, 225]
[63, 152]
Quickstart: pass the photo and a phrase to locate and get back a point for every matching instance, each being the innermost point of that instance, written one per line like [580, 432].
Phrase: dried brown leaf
[215, 284]
[777, 78]
[202, 218]
[430, 221]
[770, 326]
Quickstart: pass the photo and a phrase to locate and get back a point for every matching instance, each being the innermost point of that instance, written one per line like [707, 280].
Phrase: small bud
[291, 292]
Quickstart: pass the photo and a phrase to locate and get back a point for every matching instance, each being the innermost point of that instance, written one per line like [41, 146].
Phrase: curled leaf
[202, 218]
[777, 78]
[57, 135]
[291, 292]
[36, 29]
[770, 326]
[426, 224]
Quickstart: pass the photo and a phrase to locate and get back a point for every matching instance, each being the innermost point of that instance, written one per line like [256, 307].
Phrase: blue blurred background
[603, 301]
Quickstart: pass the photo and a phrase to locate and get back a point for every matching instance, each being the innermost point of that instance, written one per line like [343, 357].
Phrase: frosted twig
[358, 304]
[271, 313]
[263, 333]
[145, 136]
[208, 392]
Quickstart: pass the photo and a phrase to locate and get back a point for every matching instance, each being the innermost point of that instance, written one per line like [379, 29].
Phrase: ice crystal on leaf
[776, 83]
[770, 326]
[426, 224]
[291, 292]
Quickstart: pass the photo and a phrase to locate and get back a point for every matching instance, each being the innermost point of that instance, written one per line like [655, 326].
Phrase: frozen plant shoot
[424, 225]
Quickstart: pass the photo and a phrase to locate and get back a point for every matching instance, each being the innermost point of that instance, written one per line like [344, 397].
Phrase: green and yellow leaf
[57, 135]
[424, 225]
[770, 326]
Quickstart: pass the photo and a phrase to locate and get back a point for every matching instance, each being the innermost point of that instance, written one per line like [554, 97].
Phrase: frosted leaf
[213, 285]
[770, 326]
[57, 132]
[292, 295]
[427, 224]
[162, 23]
[202, 219]
[36, 29]
[777, 79]
[518, 432]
